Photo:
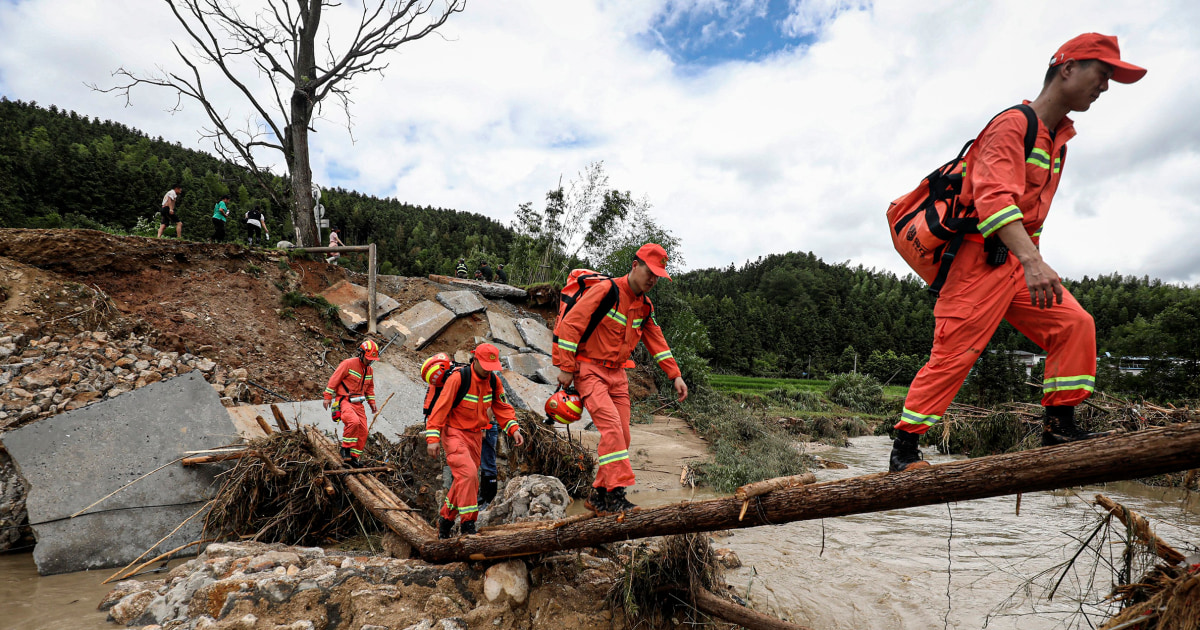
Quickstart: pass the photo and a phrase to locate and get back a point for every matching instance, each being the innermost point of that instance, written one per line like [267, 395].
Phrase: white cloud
[798, 151]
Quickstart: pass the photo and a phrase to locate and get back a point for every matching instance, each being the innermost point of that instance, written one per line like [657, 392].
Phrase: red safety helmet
[565, 406]
[370, 350]
[434, 369]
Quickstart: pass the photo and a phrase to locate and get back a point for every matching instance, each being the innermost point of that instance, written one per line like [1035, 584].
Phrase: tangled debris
[657, 579]
[547, 452]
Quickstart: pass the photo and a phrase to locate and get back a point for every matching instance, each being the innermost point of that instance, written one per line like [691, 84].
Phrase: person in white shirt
[334, 241]
[168, 212]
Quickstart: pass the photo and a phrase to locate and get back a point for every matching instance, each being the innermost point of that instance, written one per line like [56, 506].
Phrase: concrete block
[536, 335]
[548, 375]
[408, 398]
[526, 365]
[425, 322]
[504, 331]
[352, 302]
[461, 302]
[73, 459]
[526, 394]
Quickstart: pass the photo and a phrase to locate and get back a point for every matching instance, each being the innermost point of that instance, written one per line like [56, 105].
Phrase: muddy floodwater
[873, 571]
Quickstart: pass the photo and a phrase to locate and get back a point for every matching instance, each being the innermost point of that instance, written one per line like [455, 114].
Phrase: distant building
[1027, 360]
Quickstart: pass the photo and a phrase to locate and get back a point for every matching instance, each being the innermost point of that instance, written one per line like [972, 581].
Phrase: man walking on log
[596, 365]
[458, 419]
[352, 384]
[1010, 195]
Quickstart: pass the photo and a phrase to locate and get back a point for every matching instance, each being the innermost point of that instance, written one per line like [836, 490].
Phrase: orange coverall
[1004, 187]
[352, 378]
[460, 430]
[599, 368]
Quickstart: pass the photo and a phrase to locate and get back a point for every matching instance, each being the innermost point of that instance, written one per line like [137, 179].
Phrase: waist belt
[354, 399]
[628, 363]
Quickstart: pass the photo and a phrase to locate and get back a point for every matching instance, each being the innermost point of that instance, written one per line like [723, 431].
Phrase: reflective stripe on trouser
[354, 428]
[487, 458]
[462, 454]
[605, 393]
[975, 298]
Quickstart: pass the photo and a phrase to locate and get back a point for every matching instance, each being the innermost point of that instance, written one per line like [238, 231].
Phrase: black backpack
[464, 386]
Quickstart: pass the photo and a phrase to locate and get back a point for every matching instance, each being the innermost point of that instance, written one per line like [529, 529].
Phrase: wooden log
[329, 250]
[1113, 458]
[379, 501]
[710, 604]
[371, 297]
[1141, 528]
[220, 457]
[279, 419]
[262, 424]
[488, 289]
[759, 488]
[359, 471]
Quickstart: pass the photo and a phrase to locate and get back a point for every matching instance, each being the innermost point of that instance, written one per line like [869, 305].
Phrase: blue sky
[700, 36]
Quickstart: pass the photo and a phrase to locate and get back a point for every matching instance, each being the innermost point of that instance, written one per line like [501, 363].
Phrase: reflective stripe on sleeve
[569, 346]
[999, 220]
[1039, 158]
[663, 356]
[509, 424]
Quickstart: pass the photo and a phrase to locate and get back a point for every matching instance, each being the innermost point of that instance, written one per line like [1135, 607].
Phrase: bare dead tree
[279, 41]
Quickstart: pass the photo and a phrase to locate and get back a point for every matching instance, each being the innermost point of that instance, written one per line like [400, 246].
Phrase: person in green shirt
[220, 213]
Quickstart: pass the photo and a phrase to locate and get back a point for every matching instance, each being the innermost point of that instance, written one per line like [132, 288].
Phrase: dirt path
[659, 451]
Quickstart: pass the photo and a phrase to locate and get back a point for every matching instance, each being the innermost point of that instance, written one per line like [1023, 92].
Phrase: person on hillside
[352, 384]
[220, 214]
[461, 269]
[596, 366]
[170, 199]
[256, 226]
[1011, 196]
[460, 427]
[335, 240]
[486, 270]
[501, 274]
[478, 275]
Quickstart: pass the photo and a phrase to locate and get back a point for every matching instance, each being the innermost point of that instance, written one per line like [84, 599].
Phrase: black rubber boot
[346, 457]
[466, 528]
[487, 492]
[905, 454]
[596, 501]
[445, 527]
[616, 501]
[1059, 427]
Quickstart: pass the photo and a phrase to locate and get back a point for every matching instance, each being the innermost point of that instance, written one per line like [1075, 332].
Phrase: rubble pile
[255, 585]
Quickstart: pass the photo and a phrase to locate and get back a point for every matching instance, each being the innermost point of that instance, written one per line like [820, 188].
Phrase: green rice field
[755, 385]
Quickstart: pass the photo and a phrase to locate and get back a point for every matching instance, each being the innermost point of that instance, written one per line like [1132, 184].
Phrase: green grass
[754, 385]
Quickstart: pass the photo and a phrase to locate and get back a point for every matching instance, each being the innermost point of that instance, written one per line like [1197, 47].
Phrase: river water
[882, 571]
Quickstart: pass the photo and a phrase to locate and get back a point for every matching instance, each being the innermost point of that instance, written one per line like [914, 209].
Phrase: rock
[462, 356]
[141, 365]
[453, 624]
[165, 363]
[130, 607]
[547, 375]
[507, 581]
[205, 365]
[727, 558]
[239, 374]
[272, 559]
[46, 377]
[425, 321]
[426, 624]
[285, 245]
[461, 302]
[503, 329]
[529, 498]
[395, 546]
[535, 335]
[527, 365]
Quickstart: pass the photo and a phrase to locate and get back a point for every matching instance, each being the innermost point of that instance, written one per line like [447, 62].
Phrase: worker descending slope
[352, 384]
[594, 337]
[999, 272]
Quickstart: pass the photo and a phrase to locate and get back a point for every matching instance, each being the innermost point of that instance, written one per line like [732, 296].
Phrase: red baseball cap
[655, 258]
[489, 357]
[1103, 48]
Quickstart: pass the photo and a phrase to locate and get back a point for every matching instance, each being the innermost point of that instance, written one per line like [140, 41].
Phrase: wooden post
[262, 424]
[1116, 457]
[710, 604]
[279, 419]
[371, 307]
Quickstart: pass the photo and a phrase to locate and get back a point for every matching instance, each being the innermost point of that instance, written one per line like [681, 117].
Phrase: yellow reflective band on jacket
[432, 433]
[1068, 383]
[329, 390]
[909, 416]
[355, 374]
[487, 398]
[468, 509]
[356, 451]
[615, 456]
[617, 317]
[637, 323]
[449, 504]
[1037, 233]
[999, 220]
[1039, 158]
[471, 398]
[568, 346]
[1057, 165]
[663, 356]
[509, 424]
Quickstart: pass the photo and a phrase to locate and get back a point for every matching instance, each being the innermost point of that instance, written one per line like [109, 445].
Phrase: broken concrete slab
[461, 302]
[526, 365]
[408, 398]
[526, 394]
[548, 375]
[425, 322]
[351, 300]
[75, 458]
[489, 289]
[504, 330]
[394, 332]
[536, 335]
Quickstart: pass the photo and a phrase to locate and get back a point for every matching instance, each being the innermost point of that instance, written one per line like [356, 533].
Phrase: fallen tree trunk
[710, 604]
[1141, 529]
[1112, 458]
[488, 289]
[373, 495]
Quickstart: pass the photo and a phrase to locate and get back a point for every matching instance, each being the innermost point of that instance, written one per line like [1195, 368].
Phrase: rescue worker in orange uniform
[460, 427]
[597, 367]
[1011, 197]
[352, 384]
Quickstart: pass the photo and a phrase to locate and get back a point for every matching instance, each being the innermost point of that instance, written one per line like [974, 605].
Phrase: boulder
[461, 302]
[529, 498]
[536, 335]
[507, 581]
[504, 331]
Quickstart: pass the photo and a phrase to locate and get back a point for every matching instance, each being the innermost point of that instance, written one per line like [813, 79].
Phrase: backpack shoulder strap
[1031, 127]
[464, 385]
[606, 304]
